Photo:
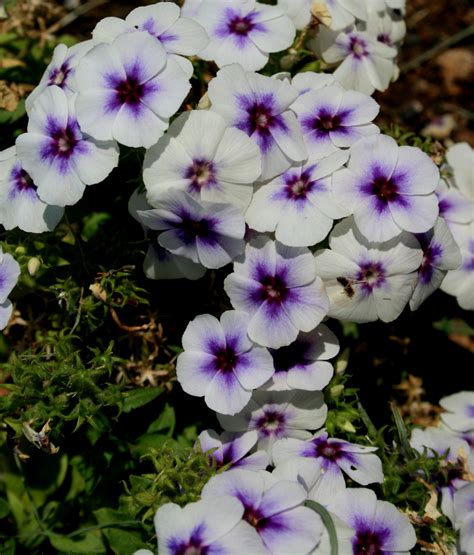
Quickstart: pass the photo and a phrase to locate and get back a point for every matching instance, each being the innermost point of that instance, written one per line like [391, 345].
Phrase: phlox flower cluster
[286, 185]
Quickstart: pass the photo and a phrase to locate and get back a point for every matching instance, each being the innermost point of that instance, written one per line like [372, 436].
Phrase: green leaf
[4, 508]
[165, 423]
[93, 223]
[90, 543]
[123, 542]
[139, 397]
[328, 523]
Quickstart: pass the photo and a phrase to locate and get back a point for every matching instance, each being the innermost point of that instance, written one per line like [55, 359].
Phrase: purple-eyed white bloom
[460, 282]
[220, 363]
[386, 27]
[273, 507]
[299, 11]
[299, 205]
[9, 274]
[303, 364]
[231, 450]
[458, 460]
[332, 118]
[345, 12]
[277, 287]
[260, 106]
[243, 32]
[204, 157]
[128, 90]
[60, 72]
[388, 188]
[440, 254]
[20, 205]
[379, 527]
[366, 63]
[208, 526]
[365, 281]
[460, 411]
[60, 157]
[160, 263]
[205, 232]
[464, 517]
[179, 36]
[332, 456]
[278, 414]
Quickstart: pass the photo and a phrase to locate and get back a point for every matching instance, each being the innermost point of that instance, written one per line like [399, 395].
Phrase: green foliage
[408, 138]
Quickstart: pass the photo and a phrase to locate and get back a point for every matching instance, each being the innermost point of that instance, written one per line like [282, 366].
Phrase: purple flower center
[193, 546]
[190, 229]
[22, 181]
[59, 75]
[367, 543]
[329, 451]
[240, 25]
[327, 122]
[201, 174]
[226, 359]
[384, 189]
[129, 91]
[260, 118]
[271, 423]
[371, 275]
[63, 142]
[358, 48]
[254, 517]
[273, 289]
[298, 186]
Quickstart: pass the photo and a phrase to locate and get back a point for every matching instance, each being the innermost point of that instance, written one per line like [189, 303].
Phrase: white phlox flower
[20, 205]
[128, 90]
[208, 233]
[299, 205]
[160, 263]
[243, 32]
[278, 414]
[60, 71]
[58, 155]
[260, 107]
[277, 287]
[366, 64]
[201, 155]
[180, 36]
[332, 118]
[388, 188]
[366, 281]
